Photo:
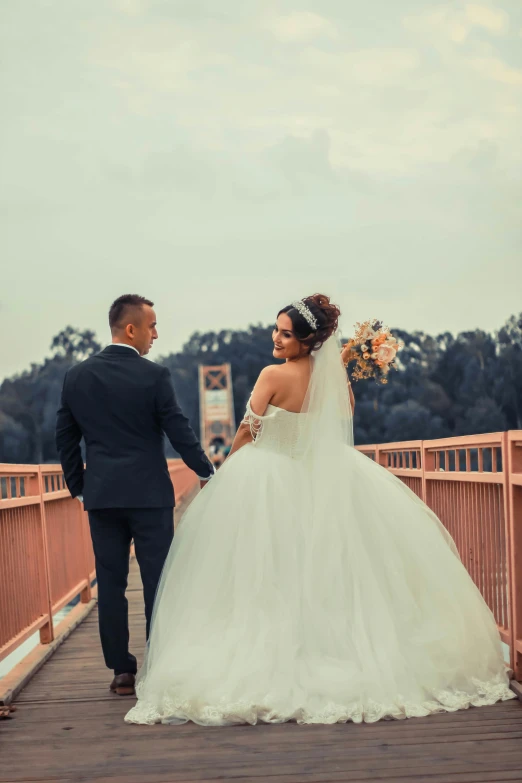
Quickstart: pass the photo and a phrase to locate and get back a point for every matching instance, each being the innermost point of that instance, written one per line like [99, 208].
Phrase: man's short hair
[120, 309]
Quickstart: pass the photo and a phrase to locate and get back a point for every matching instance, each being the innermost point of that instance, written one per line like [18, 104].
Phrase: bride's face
[286, 344]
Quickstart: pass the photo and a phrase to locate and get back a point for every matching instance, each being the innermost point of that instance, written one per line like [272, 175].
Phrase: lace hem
[172, 711]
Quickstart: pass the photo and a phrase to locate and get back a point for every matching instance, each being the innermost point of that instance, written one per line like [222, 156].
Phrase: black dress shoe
[123, 684]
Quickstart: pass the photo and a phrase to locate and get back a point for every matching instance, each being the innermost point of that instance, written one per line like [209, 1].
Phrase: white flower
[386, 353]
[368, 334]
[364, 347]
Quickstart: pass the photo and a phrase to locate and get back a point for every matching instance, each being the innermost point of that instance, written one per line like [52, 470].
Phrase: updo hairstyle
[325, 313]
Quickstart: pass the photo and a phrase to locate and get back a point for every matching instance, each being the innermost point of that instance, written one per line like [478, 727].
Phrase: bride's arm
[352, 398]
[242, 437]
[347, 355]
[261, 396]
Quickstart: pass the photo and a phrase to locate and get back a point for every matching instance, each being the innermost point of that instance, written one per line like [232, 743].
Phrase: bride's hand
[347, 353]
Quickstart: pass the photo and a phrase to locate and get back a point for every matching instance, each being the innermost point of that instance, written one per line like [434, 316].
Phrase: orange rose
[366, 355]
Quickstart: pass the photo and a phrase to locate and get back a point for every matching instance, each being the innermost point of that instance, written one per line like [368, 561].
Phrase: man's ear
[129, 331]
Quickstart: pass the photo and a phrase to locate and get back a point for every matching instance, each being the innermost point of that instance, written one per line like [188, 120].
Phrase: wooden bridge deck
[69, 728]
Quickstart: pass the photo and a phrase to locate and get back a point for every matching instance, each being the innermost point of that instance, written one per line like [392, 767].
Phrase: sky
[227, 158]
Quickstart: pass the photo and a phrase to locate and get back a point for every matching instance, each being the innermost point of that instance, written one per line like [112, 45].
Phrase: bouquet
[373, 348]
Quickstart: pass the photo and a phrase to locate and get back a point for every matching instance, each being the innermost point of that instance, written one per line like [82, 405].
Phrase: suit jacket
[121, 404]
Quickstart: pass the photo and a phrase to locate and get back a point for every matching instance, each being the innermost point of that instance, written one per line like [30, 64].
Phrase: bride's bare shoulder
[272, 371]
[277, 376]
[274, 374]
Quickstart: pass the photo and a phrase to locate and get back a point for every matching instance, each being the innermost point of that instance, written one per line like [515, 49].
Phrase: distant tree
[444, 385]
[31, 399]
[14, 441]
[507, 383]
[74, 345]
[484, 415]
[411, 421]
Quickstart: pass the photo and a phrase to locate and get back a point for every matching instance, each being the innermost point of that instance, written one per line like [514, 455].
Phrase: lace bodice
[278, 430]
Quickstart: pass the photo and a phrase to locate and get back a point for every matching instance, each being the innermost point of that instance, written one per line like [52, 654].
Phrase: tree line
[445, 385]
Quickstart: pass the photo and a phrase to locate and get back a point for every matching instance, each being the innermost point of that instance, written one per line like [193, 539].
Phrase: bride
[307, 583]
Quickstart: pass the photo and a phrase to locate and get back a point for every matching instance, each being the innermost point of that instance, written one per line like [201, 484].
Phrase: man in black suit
[121, 405]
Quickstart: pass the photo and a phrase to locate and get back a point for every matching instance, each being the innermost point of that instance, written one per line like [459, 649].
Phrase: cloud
[131, 7]
[256, 144]
[363, 66]
[457, 23]
[303, 162]
[473, 84]
[494, 20]
[153, 57]
[496, 70]
[300, 26]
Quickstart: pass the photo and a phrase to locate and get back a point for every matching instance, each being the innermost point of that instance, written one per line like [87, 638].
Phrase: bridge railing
[474, 485]
[514, 469]
[46, 556]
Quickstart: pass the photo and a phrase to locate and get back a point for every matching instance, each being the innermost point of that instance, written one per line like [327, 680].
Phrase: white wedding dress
[307, 583]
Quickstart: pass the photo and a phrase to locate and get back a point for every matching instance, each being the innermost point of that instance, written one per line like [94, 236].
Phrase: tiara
[305, 311]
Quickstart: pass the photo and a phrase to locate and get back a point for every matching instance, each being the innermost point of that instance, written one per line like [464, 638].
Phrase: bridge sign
[216, 410]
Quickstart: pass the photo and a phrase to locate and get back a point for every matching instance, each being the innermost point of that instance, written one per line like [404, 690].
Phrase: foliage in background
[444, 386]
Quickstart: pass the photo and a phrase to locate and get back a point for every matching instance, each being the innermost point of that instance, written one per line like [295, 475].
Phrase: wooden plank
[12, 644]
[335, 777]
[58, 494]
[148, 761]
[68, 597]
[516, 687]
[15, 681]
[464, 441]
[475, 478]
[32, 500]
[69, 727]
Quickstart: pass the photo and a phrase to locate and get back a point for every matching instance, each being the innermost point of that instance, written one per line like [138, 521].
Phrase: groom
[121, 405]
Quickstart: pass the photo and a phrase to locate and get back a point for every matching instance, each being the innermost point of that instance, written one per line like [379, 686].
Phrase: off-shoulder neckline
[277, 408]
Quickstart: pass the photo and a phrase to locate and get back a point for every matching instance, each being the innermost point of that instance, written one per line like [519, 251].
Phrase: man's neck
[125, 345]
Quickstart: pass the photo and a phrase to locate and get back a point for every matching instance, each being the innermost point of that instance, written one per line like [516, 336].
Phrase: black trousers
[112, 530]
